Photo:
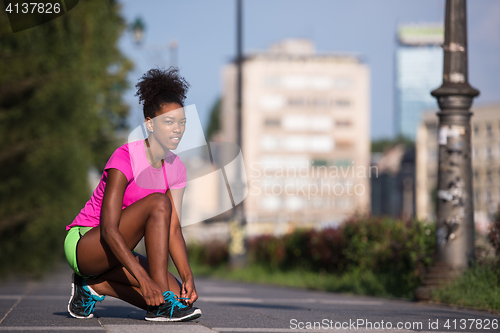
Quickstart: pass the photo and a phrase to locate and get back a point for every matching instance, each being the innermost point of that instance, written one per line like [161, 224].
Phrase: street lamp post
[237, 246]
[455, 221]
[174, 44]
[137, 28]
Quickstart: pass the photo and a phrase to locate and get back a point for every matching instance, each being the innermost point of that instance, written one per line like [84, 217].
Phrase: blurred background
[338, 124]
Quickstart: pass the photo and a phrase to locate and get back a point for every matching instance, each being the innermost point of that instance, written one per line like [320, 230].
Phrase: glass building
[419, 68]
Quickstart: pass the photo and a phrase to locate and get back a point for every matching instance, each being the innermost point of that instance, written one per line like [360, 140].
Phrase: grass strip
[478, 287]
[353, 282]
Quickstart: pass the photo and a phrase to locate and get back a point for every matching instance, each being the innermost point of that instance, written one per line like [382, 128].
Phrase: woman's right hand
[151, 292]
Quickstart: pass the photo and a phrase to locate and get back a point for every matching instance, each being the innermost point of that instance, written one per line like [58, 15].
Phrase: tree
[214, 122]
[380, 145]
[60, 105]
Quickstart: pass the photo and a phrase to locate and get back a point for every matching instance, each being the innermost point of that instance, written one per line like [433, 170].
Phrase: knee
[160, 204]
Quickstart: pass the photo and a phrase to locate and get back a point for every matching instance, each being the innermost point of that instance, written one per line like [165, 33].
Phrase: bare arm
[110, 219]
[177, 246]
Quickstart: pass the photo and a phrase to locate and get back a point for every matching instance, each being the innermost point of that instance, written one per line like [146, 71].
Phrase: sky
[206, 36]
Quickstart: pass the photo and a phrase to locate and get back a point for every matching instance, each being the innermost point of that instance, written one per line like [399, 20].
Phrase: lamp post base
[440, 275]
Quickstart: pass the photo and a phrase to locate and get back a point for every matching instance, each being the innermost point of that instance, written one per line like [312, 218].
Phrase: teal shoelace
[89, 305]
[173, 299]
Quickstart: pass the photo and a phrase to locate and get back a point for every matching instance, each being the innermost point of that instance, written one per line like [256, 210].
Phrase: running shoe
[82, 302]
[172, 310]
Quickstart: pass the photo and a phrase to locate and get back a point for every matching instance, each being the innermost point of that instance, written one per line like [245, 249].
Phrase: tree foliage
[61, 88]
[381, 145]
[214, 122]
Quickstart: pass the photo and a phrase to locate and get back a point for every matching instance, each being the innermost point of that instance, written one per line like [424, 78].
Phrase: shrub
[494, 235]
[306, 249]
[267, 250]
[213, 254]
[400, 248]
[395, 250]
[324, 249]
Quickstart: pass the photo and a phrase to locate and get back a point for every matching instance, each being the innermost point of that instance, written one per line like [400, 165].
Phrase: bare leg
[148, 217]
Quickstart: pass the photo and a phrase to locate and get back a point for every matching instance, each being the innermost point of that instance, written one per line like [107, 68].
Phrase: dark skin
[106, 249]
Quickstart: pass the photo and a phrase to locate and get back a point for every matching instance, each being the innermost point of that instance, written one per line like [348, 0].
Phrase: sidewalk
[41, 306]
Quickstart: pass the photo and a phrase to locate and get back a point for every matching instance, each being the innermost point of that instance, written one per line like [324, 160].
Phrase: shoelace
[170, 296]
[178, 298]
[90, 304]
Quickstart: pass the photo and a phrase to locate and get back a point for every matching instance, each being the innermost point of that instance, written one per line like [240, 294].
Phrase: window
[297, 161]
[303, 123]
[272, 102]
[271, 161]
[489, 132]
[309, 102]
[343, 203]
[343, 83]
[318, 163]
[476, 175]
[296, 143]
[272, 122]
[320, 143]
[488, 175]
[270, 203]
[343, 123]
[272, 81]
[320, 82]
[320, 123]
[294, 122]
[295, 82]
[489, 154]
[433, 154]
[476, 129]
[344, 144]
[319, 102]
[269, 142]
[342, 103]
[342, 163]
[297, 101]
[294, 203]
[318, 203]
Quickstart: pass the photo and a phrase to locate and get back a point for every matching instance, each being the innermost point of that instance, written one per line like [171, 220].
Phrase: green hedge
[395, 252]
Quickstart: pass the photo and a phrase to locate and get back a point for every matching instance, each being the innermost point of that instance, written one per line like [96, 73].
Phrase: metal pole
[237, 249]
[455, 221]
[173, 52]
[239, 59]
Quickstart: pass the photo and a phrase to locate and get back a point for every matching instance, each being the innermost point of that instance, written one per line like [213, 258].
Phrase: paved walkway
[41, 306]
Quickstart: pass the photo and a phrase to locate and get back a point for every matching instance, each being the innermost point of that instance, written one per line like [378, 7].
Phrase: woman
[139, 195]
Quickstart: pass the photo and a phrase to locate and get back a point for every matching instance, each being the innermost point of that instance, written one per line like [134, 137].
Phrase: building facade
[393, 191]
[305, 135]
[419, 68]
[485, 137]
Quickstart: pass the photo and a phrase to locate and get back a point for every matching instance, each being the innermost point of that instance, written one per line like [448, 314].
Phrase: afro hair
[158, 87]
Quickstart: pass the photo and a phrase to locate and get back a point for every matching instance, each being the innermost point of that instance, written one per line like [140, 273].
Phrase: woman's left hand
[189, 291]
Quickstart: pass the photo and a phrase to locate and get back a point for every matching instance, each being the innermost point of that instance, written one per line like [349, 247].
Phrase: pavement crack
[29, 288]
[12, 308]
[100, 323]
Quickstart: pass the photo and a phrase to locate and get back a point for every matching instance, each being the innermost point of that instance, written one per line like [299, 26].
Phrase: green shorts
[70, 243]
